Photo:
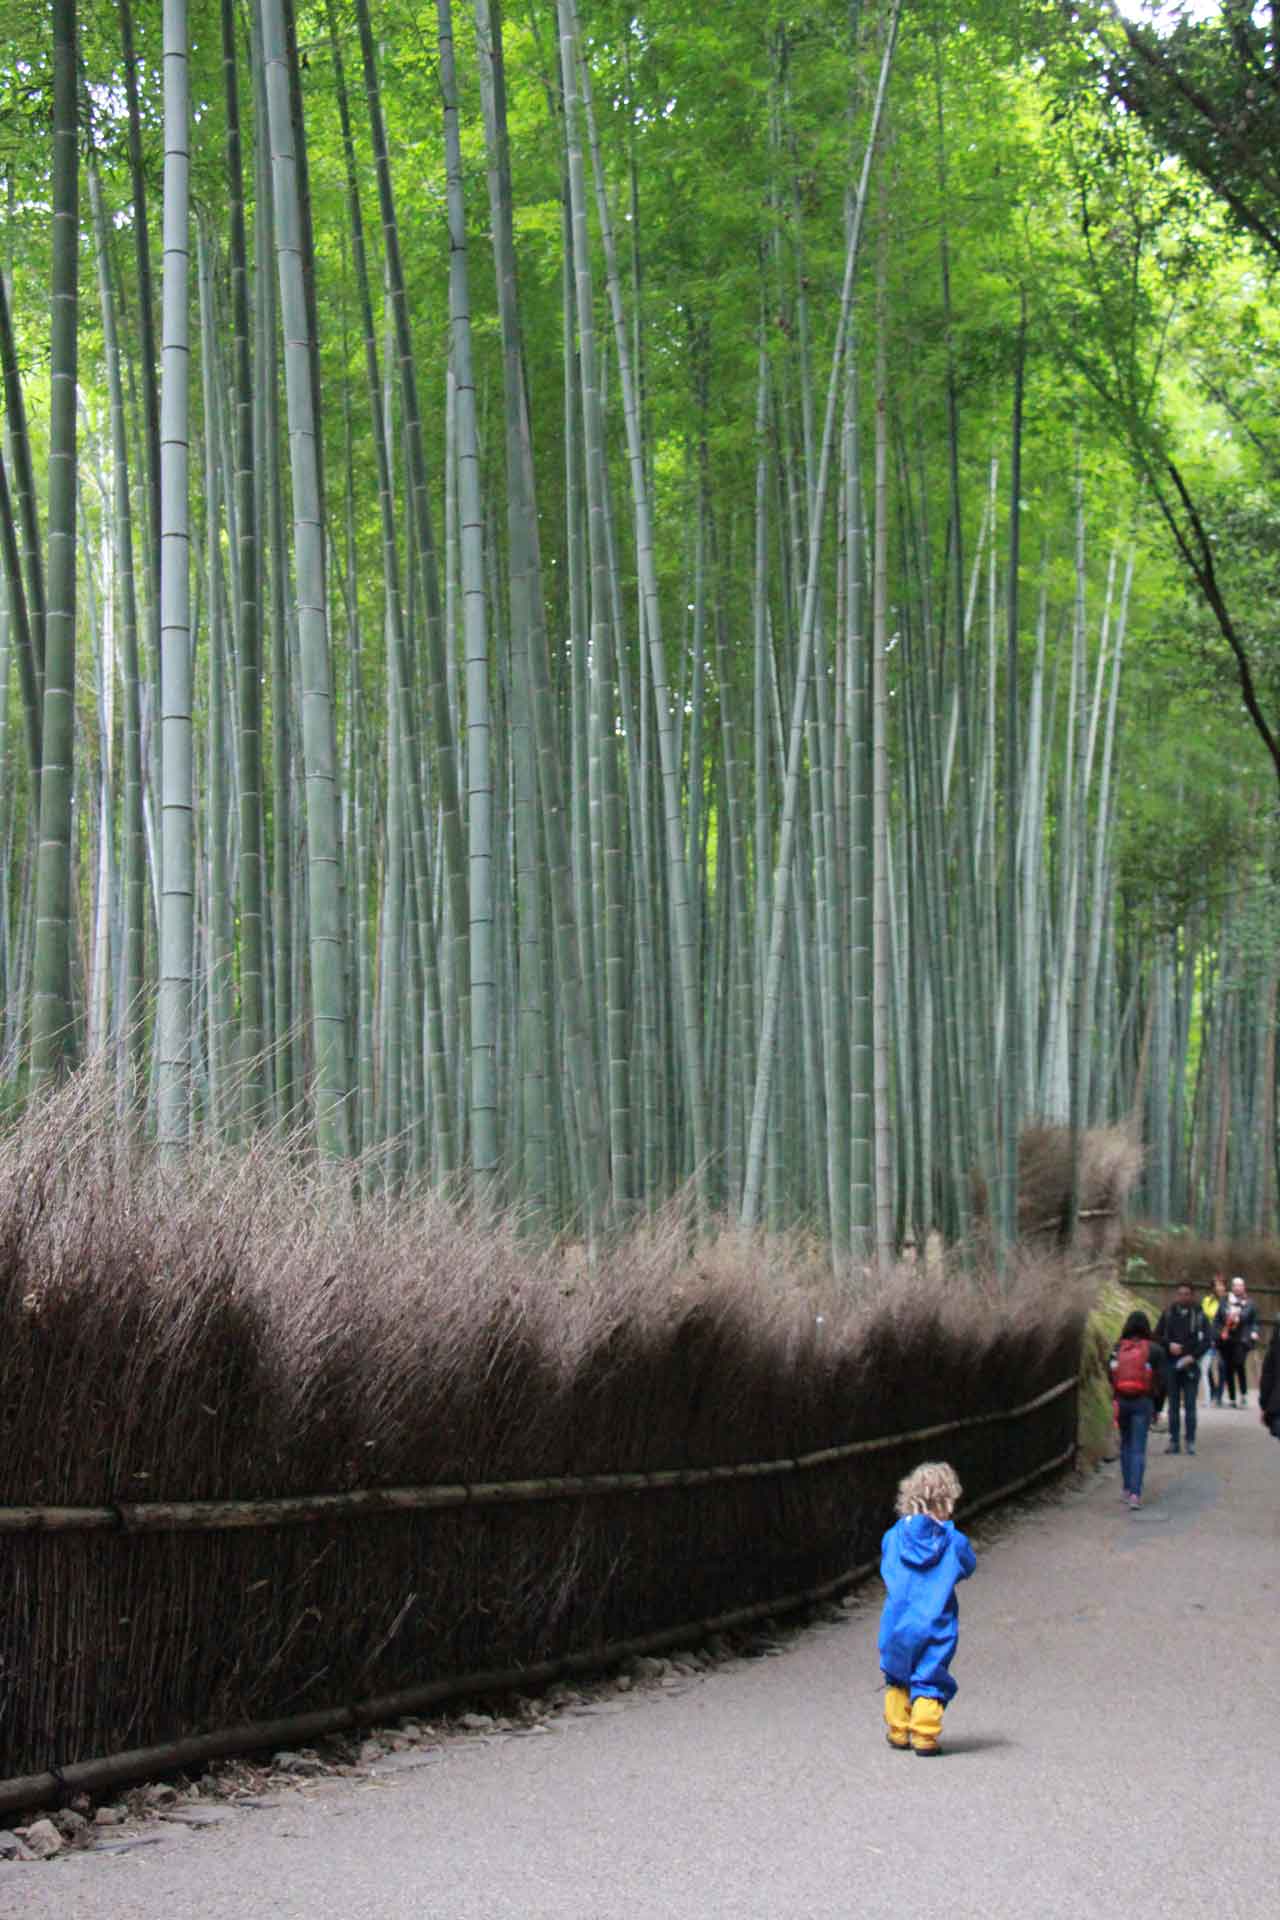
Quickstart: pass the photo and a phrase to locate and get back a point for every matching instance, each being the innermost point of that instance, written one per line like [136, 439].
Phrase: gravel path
[1114, 1743]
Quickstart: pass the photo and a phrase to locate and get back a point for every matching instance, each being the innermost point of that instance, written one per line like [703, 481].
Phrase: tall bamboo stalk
[782, 871]
[484, 986]
[324, 850]
[177, 860]
[574, 70]
[53, 1041]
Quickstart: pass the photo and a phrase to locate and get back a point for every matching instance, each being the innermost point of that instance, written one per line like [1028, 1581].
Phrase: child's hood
[923, 1540]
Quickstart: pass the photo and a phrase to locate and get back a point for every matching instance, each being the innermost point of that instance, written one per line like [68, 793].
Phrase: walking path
[1114, 1745]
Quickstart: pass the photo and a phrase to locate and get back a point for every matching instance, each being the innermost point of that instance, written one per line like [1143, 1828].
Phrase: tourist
[923, 1558]
[1183, 1332]
[1211, 1307]
[1135, 1365]
[1237, 1333]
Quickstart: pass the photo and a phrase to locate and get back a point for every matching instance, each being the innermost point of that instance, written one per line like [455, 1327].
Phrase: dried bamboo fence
[274, 1460]
[165, 1519]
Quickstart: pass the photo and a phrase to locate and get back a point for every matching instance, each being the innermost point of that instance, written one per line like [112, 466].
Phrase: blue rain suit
[922, 1562]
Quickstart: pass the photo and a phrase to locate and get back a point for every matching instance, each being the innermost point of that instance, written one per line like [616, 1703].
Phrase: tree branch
[1200, 563]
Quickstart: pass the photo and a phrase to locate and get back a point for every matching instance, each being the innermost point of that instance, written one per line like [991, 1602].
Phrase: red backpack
[1133, 1374]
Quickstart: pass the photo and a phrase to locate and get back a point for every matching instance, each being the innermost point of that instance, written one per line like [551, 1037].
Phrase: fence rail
[217, 1516]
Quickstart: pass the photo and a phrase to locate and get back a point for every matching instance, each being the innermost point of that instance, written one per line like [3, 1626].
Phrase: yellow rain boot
[926, 1724]
[897, 1717]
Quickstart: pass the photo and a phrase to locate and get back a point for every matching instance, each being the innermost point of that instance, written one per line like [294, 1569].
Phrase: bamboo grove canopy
[595, 598]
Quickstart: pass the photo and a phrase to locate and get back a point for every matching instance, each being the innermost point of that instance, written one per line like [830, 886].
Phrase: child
[923, 1558]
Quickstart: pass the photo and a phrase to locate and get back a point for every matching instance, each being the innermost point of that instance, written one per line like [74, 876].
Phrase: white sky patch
[1169, 12]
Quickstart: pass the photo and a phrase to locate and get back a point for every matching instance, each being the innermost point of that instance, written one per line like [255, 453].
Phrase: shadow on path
[973, 1743]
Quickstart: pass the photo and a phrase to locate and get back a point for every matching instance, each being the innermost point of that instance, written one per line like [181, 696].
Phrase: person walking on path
[923, 1558]
[1183, 1332]
[1135, 1365]
[1211, 1306]
[1237, 1329]
[1269, 1385]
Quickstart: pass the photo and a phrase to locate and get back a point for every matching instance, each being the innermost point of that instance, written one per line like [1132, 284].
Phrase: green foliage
[1189, 826]
[1205, 89]
[732, 137]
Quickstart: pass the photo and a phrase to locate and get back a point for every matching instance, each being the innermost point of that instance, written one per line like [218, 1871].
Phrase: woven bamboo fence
[978, 1442]
[274, 1460]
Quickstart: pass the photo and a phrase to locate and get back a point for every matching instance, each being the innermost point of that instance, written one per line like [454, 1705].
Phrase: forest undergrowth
[243, 1328]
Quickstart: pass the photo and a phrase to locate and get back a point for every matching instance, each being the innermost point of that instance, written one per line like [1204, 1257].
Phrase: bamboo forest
[606, 599]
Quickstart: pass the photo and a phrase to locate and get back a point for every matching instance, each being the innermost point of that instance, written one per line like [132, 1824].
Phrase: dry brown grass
[1174, 1257]
[245, 1329]
[1110, 1162]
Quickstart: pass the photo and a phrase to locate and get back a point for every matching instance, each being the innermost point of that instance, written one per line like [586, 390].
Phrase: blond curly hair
[933, 1488]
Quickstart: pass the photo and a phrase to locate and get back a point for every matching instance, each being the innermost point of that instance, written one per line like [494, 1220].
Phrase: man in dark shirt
[1183, 1332]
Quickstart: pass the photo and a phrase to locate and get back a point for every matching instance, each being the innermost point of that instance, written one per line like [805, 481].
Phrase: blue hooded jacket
[922, 1561]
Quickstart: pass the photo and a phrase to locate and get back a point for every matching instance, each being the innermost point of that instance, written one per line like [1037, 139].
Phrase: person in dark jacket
[1135, 1365]
[1183, 1332]
[1237, 1331]
[923, 1559]
[1269, 1385]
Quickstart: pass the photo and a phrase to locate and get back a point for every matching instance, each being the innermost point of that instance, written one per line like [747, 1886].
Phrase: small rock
[398, 1743]
[81, 1803]
[479, 1722]
[161, 1795]
[43, 1840]
[197, 1816]
[300, 1763]
[370, 1750]
[12, 1848]
[646, 1667]
[108, 1817]
[409, 1761]
[69, 1823]
[412, 1730]
[624, 1683]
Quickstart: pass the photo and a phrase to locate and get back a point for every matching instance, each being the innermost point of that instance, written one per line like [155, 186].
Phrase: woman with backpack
[1135, 1365]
